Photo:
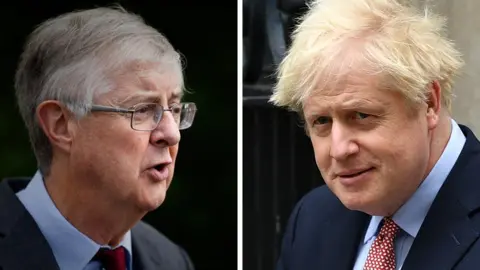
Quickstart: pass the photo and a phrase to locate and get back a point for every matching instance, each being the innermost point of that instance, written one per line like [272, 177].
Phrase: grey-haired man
[100, 93]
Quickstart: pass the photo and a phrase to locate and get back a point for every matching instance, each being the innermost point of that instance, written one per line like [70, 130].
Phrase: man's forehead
[156, 79]
[352, 82]
[145, 88]
[346, 98]
[151, 75]
[153, 79]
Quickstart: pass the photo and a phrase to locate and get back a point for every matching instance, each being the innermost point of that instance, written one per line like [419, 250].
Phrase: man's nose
[342, 142]
[167, 132]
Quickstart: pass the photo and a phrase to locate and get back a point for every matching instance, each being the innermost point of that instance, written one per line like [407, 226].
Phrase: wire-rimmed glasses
[146, 116]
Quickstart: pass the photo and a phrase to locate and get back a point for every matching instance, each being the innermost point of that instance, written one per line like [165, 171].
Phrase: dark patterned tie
[112, 259]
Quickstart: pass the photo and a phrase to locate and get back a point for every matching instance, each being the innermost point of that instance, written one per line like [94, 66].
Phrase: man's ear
[53, 118]
[434, 104]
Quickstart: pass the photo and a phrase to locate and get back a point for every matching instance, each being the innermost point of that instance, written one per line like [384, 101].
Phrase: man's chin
[355, 201]
[151, 205]
[152, 198]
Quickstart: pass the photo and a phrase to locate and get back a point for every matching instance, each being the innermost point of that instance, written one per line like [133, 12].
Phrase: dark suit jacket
[323, 234]
[23, 246]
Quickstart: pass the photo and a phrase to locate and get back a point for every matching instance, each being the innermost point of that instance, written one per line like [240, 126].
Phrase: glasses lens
[187, 115]
[145, 116]
[177, 112]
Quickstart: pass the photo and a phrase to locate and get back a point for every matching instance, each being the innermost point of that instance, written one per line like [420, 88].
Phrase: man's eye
[176, 110]
[145, 109]
[360, 115]
[322, 120]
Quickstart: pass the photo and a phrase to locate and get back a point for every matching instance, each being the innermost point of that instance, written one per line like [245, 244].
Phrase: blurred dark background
[278, 161]
[201, 207]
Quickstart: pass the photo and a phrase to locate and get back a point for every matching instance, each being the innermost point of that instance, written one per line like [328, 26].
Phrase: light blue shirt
[411, 215]
[72, 249]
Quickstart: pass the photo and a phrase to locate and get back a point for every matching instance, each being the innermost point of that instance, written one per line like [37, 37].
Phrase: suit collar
[20, 237]
[467, 189]
[449, 222]
[340, 243]
[144, 253]
[344, 241]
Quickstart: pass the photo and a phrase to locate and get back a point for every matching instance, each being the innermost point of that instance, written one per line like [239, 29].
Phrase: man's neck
[89, 210]
[440, 138]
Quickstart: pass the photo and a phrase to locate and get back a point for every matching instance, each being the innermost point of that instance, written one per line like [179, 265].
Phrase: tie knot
[112, 259]
[389, 229]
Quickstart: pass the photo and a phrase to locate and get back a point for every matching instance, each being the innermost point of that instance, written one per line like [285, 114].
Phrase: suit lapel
[142, 255]
[339, 240]
[445, 236]
[349, 231]
[448, 230]
[22, 245]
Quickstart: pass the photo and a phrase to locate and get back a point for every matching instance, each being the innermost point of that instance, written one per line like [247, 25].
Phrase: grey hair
[72, 59]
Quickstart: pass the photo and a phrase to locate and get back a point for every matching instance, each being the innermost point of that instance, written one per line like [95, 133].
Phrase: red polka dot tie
[382, 253]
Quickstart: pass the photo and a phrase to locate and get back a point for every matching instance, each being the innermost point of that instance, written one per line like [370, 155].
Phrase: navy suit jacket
[23, 246]
[323, 234]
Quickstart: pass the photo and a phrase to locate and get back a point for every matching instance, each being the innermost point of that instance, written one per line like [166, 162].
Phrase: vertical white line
[239, 135]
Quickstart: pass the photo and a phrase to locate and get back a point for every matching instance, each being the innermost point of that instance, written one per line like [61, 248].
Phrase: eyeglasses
[146, 116]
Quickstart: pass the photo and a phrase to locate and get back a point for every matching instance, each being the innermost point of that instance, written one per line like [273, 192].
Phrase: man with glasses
[100, 93]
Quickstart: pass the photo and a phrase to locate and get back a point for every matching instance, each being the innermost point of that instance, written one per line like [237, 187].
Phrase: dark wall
[278, 169]
[278, 161]
[200, 210]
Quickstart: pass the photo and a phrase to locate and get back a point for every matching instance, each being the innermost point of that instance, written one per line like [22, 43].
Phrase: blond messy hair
[409, 48]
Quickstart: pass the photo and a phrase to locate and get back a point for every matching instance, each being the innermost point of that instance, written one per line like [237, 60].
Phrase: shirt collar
[71, 248]
[411, 215]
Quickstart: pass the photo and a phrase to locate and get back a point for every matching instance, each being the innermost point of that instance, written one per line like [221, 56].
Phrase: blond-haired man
[373, 81]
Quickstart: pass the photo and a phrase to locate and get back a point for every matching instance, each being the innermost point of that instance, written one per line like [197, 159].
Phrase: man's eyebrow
[146, 97]
[178, 95]
[353, 104]
[358, 103]
[140, 98]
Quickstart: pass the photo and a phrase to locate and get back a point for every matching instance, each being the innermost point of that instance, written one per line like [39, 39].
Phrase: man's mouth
[353, 173]
[160, 171]
[160, 167]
